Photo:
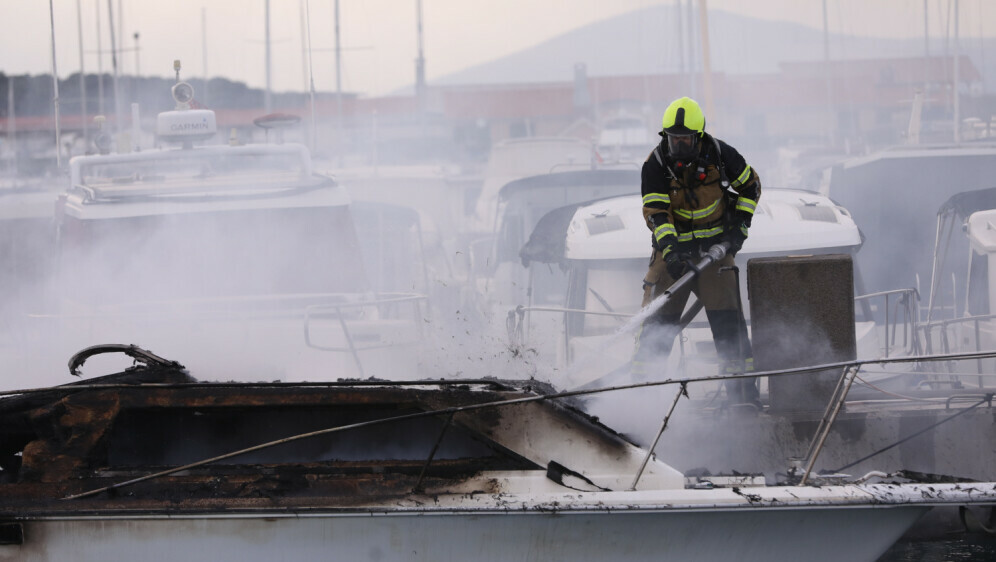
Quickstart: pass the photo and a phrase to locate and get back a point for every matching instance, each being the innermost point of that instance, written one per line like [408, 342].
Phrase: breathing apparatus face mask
[682, 147]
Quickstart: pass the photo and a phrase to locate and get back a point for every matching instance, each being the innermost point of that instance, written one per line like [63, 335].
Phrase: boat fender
[574, 480]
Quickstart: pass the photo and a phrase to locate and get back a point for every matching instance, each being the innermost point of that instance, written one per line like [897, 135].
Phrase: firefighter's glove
[676, 264]
[664, 243]
[735, 234]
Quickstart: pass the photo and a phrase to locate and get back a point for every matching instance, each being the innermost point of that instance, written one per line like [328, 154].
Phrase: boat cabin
[503, 277]
[604, 247]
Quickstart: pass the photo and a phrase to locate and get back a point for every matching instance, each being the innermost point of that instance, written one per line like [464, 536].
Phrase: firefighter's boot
[729, 332]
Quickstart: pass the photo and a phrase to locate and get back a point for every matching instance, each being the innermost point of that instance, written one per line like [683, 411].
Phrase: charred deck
[77, 438]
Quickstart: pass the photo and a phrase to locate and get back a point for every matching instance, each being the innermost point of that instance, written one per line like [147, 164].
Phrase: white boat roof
[328, 196]
[190, 170]
[201, 179]
[786, 220]
[924, 151]
[982, 231]
[517, 158]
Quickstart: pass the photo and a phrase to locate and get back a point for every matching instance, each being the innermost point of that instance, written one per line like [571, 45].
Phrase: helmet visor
[682, 146]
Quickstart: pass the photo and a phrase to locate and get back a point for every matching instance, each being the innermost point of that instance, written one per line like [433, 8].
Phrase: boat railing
[849, 371]
[906, 304]
[900, 306]
[516, 322]
[942, 330]
[385, 306]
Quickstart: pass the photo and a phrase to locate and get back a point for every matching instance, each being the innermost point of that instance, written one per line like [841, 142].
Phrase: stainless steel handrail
[976, 320]
[909, 300]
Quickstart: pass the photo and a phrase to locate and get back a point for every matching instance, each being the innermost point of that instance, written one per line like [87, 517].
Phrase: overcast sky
[379, 36]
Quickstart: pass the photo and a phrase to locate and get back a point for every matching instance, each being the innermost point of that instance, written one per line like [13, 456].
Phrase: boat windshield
[195, 169]
[235, 253]
[611, 287]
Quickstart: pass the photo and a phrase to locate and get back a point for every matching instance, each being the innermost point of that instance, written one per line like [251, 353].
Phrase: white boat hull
[745, 534]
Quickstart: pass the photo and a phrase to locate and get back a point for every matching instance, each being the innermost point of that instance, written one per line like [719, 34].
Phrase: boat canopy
[967, 202]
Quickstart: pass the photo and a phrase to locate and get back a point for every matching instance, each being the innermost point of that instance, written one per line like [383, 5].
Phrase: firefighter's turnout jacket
[690, 202]
[689, 207]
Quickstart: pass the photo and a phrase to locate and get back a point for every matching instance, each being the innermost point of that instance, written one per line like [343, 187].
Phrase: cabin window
[519, 129]
[978, 285]
[178, 436]
[510, 239]
[612, 287]
[547, 284]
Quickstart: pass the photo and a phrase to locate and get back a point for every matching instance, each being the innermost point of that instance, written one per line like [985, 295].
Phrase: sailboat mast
[338, 77]
[204, 55]
[83, 104]
[55, 85]
[268, 97]
[706, 64]
[100, 66]
[118, 115]
[956, 78]
[11, 125]
[420, 61]
[926, 50]
[828, 74]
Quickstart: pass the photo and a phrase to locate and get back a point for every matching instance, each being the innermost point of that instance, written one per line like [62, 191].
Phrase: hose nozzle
[718, 251]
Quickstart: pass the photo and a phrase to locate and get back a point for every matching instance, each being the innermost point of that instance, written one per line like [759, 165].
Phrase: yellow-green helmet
[683, 117]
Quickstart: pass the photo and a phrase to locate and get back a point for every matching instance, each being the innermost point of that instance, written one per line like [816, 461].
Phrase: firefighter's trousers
[718, 292]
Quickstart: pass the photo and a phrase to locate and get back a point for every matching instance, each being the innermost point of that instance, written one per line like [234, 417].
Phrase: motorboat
[502, 278]
[893, 195]
[898, 413]
[234, 253]
[603, 247]
[518, 158]
[959, 313]
[625, 137]
[151, 463]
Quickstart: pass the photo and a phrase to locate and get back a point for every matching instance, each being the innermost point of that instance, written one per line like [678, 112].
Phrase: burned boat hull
[150, 463]
[740, 534]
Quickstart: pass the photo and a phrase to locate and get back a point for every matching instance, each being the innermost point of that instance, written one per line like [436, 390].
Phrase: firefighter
[697, 191]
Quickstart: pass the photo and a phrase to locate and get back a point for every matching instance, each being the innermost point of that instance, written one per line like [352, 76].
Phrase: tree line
[34, 94]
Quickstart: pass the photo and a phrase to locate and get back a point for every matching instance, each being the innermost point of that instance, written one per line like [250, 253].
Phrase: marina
[570, 301]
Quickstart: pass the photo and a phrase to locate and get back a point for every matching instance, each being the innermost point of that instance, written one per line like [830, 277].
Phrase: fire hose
[713, 255]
